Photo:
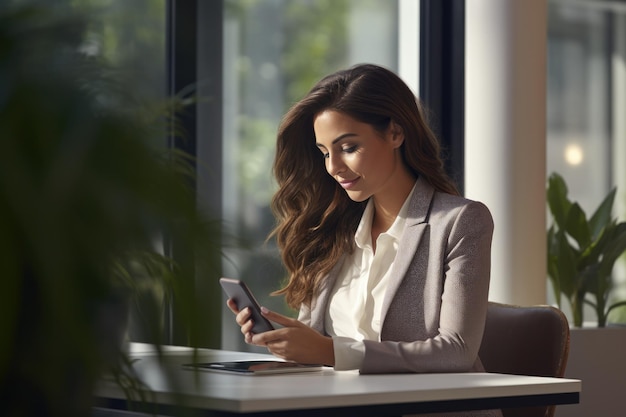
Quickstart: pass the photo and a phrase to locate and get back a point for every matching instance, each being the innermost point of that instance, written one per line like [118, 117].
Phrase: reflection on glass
[274, 51]
[574, 154]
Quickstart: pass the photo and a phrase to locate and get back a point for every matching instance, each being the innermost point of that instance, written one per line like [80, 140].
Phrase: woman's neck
[387, 205]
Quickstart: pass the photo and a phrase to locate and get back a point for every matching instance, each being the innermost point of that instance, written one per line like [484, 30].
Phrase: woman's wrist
[329, 352]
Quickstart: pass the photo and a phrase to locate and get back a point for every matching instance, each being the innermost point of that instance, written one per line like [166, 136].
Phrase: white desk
[329, 393]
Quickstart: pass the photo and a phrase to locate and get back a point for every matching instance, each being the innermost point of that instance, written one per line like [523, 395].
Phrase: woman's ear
[396, 134]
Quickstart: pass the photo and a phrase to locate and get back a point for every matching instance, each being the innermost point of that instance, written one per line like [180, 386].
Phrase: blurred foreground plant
[87, 193]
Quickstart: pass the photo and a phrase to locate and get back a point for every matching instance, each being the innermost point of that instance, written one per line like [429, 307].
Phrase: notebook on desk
[254, 367]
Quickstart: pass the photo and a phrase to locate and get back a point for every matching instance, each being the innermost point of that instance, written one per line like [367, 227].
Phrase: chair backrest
[525, 341]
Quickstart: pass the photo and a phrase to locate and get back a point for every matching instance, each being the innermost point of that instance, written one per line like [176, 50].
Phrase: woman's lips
[347, 184]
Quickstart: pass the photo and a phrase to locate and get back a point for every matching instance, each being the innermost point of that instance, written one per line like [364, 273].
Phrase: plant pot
[597, 358]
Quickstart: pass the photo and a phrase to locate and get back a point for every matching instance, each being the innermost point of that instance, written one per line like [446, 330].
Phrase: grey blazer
[434, 310]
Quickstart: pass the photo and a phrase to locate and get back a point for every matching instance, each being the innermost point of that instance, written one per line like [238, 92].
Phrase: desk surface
[328, 390]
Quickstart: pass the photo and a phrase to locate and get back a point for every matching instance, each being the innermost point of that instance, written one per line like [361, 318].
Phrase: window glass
[274, 51]
[130, 35]
[578, 101]
[586, 137]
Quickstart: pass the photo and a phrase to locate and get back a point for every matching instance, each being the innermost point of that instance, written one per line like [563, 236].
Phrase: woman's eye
[349, 149]
[325, 155]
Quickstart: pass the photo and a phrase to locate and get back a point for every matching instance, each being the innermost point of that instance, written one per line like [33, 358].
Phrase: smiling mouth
[348, 184]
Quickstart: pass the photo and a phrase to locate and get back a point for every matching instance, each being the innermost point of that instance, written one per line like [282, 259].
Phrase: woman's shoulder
[451, 200]
[449, 205]
[430, 205]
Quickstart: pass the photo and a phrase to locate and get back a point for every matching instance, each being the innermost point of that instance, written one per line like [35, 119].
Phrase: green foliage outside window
[310, 41]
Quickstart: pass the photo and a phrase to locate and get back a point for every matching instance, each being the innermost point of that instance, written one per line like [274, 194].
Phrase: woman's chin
[357, 196]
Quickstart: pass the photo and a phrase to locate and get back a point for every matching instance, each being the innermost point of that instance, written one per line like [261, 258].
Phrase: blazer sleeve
[454, 286]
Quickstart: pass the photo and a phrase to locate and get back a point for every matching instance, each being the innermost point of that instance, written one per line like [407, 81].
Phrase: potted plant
[86, 194]
[582, 252]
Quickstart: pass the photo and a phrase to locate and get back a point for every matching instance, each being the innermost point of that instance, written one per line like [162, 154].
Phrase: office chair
[525, 341]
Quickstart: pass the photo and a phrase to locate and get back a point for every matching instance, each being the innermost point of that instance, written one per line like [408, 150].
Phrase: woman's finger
[280, 319]
[243, 316]
[232, 305]
[247, 327]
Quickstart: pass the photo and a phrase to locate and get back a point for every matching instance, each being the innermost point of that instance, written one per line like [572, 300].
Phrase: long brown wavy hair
[316, 220]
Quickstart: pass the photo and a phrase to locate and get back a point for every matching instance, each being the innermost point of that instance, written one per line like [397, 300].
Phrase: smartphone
[239, 292]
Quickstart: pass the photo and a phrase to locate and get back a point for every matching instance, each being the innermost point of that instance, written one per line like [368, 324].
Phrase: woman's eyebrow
[338, 138]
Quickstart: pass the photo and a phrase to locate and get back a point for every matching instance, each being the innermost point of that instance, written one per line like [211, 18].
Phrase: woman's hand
[242, 318]
[295, 341]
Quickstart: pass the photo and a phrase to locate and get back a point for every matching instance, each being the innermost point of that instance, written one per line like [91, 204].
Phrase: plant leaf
[602, 215]
[553, 263]
[577, 227]
[566, 261]
[615, 246]
[557, 199]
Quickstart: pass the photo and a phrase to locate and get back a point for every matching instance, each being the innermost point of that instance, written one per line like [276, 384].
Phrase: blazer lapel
[416, 224]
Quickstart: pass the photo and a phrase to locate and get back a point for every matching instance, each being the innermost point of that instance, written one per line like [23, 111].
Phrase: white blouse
[355, 305]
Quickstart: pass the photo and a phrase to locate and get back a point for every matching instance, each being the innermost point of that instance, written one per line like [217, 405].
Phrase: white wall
[505, 138]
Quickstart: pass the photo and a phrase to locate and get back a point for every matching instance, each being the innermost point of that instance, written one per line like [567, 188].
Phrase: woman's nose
[334, 164]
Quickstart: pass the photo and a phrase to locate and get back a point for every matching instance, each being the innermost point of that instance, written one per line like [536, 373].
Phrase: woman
[388, 265]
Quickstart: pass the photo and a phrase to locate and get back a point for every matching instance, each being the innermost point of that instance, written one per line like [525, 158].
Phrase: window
[274, 51]
[586, 137]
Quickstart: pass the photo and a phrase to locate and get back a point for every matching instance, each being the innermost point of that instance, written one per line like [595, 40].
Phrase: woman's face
[364, 161]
